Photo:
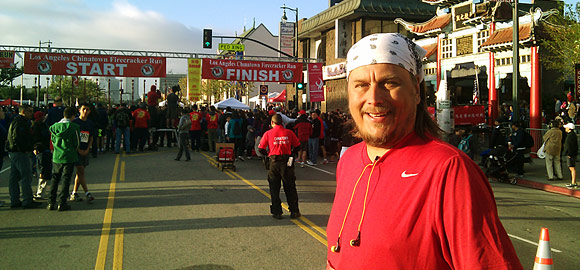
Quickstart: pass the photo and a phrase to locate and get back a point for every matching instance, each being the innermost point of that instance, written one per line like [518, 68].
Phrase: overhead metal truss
[175, 55]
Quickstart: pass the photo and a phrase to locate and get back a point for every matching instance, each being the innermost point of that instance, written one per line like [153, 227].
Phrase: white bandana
[386, 48]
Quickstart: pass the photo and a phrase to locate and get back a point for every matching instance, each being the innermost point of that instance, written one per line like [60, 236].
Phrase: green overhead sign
[232, 47]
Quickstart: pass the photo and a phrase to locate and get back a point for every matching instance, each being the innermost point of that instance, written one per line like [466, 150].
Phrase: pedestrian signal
[207, 38]
[300, 86]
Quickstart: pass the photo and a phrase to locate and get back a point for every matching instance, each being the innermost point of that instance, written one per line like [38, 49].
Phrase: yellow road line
[304, 219]
[104, 242]
[118, 253]
[309, 231]
[122, 176]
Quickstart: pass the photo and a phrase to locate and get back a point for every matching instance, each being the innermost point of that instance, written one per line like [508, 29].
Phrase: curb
[549, 188]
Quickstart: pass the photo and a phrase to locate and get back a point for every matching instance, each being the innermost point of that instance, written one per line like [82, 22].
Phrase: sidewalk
[535, 176]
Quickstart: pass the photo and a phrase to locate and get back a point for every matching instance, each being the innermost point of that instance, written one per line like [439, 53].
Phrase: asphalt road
[152, 212]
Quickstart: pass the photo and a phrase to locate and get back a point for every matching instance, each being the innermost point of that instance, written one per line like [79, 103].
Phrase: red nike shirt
[428, 206]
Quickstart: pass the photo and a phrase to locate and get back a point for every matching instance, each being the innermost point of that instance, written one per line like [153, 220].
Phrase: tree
[562, 42]
[63, 86]
[7, 75]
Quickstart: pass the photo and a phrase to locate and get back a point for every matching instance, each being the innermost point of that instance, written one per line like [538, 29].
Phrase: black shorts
[83, 161]
[304, 146]
[571, 161]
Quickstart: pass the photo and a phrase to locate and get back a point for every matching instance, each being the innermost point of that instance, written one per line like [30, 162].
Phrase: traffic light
[300, 86]
[207, 38]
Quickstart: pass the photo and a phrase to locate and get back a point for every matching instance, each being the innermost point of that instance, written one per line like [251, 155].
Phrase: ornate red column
[535, 96]
[493, 103]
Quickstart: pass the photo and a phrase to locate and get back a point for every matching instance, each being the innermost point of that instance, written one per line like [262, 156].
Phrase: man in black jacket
[571, 151]
[517, 145]
[20, 148]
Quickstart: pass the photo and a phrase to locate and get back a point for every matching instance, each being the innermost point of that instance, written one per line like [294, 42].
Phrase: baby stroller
[497, 165]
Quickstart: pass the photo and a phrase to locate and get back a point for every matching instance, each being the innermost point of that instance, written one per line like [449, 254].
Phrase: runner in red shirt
[212, 127]
[280, 142]
[395, 206]
[141, 126]
[195, 130]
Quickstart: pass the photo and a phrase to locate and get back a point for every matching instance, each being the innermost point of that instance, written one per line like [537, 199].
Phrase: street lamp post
[284, 18]
[46, 94]
[515, 62]
[40, 43]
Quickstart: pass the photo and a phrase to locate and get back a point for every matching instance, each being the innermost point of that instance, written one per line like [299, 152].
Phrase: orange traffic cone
[544, 255]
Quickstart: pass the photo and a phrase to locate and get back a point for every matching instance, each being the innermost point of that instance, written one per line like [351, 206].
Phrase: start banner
[93, 65]
[6, 59]
[251, 71]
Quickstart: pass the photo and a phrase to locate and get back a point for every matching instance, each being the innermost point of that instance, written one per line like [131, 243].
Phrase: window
[446, 48]
[482, 36]
[372, 27]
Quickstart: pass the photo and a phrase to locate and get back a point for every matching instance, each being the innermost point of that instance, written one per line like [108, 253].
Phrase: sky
[170, 25]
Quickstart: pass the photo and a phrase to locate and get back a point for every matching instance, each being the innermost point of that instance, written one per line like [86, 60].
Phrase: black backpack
[528, 140]
[122, 119]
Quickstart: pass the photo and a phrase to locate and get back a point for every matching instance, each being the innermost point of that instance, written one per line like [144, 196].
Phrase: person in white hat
[404, 198]
[570, 152]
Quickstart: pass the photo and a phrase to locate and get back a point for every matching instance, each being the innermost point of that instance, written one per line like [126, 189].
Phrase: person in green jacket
[65, 139]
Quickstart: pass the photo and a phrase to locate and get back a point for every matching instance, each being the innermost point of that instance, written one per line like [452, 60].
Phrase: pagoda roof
[443, 2]
[434, 25]
[503, 38]
[352, 9]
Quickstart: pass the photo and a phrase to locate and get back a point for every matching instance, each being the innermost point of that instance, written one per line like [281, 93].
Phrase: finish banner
[315, 82]
[6, 59]
[93, 65]
[251, 71]
[194, 79]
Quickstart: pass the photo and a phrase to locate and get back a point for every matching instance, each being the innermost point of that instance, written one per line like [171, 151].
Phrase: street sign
[232, 47]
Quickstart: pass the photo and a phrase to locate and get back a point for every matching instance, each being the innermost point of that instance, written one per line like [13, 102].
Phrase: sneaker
[16, 205]
[241, 158]
[295, 215]
[51, 206]
[38, 198]
[310, 163]
[90, 198]
[76, 197]
[301, 164]
[63, 207]
[325, 161]
[277, 216]
[571, 186]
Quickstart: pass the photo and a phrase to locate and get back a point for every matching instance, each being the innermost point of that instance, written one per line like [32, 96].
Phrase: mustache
[376, 109]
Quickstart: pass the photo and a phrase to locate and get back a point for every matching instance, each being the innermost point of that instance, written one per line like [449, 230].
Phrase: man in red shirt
[212, 127]
[303, 129]
[141, 125]
[281, 141]
[404, 198]
[195, 130]
[153, 97]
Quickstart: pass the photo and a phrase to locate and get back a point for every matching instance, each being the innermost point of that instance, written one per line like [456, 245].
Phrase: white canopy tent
[257, 98]
[232, 103]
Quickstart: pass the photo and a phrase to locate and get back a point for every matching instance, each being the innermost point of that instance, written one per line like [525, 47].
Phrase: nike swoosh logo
[405, 174]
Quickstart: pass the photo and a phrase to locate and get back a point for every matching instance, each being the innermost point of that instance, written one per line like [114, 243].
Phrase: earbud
[336, 249]
[355, 242]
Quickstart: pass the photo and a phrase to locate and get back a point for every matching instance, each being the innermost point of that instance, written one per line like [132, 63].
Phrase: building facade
[330, 34]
